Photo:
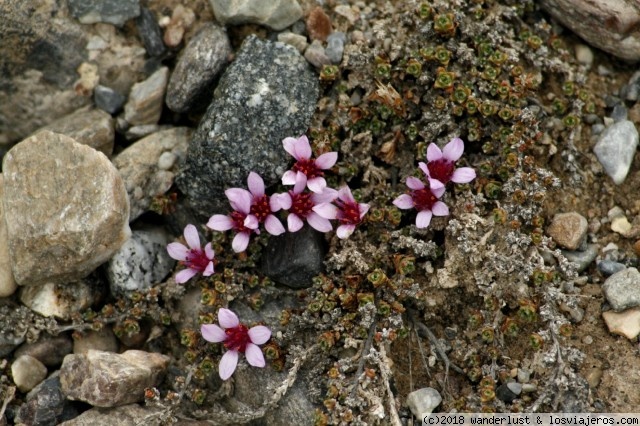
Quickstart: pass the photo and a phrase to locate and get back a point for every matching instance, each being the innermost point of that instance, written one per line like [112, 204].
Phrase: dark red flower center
[197, 260]
[349, 213]
[441, 170]
[238, 222]
[308, 167]
[260, 208]
[423, 199]
[237, 338]
[301, 204]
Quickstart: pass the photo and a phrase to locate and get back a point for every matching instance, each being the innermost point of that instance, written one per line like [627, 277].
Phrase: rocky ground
[122, 122]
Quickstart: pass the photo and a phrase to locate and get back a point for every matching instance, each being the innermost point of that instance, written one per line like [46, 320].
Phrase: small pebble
[619, 112]
[108, 99]
[529, 388]
[582, 258]
[587, 340]
[594, 376]
[615, 149]
[316, 55]
[523, 375]
[609, 267]
[568, 230]
[27, 372]
[625, 323]
[505, 394]
[296, 40]
[318, 24]
[584, 55]
[335, 47]
[622, 289]
[150, 33]
[423, 401]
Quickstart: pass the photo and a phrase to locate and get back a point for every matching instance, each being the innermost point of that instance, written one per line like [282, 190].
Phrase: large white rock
[66, 209]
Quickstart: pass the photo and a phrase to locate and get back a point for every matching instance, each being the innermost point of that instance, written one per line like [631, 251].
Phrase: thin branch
[365, 351]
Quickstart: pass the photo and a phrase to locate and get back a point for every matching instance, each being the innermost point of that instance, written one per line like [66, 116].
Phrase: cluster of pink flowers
[439, 170]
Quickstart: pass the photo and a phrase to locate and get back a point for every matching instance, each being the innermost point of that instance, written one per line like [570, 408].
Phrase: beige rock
[66, 209]
[27, 372]
[626, 323]
[610, 25]
[103, 340]
[59, 300]
[146, 99]
[7, 283]
[568, 230]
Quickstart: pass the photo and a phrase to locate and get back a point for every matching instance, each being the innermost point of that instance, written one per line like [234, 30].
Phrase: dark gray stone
[115, 12]
[294, 258]
[108, 99]
[582, 258]
[335, 46]
[49, 350]
[622, 289]
[199, 64]
[609, 267]
[505, 394]
[150, 33]
[46, 405]
[268, 93]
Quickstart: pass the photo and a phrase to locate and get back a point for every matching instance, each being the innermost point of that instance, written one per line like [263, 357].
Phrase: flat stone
[294, 258]
[49, 350]
[27, 372]
[66, 209]
[141, 262]
[108, 99]
[115, 12]
[615, 149]
[91, 127]
[7, 283]
[275, 14]
[626, 323]
[423, 401]
[609, 267]
[146, 99]
[622, 289]
[150, 32]
[269, 92]
[568, 230]
[582, 258]
[106, 379]
[59, 300]
[148, 166]
[610, 25]
[200, 62]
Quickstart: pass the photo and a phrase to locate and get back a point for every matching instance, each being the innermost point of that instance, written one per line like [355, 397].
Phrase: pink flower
[316, 209]
[424, 199]
[306, 169]
[240, 219]
[237, 338]
[196, 259]
[262, 206]
[441, 164]
[349, 213]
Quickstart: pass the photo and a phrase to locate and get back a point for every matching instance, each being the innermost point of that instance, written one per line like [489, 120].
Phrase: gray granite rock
[106, 379]
[91, 127]
[59, 300]
[622, 289]
[276, 14]
[423, 401]
[610, 25]
[141, 262]
[108, 99]
[146, 99]
[568, 230]
[66, 209]
[200, 62]
[148, 166]
[294, 258]
[46, 405]
[27, 372]
[14, 326]
[582, 258]
[49, 350]
[150, 33]
[115, 12]
[268, 93]
[615, 149]
[7, 283]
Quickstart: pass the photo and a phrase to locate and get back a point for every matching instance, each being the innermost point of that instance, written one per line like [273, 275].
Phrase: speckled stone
[66, 209]
[146, 99]
[115, 12]
[276, 14]
[106, 379]
[568, 230]
[622, 289]
[268, 93]
[46, 405]
[150, 32]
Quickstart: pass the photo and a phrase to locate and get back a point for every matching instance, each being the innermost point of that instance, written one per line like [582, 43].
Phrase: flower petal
[423, 219]
[251, 222]
[228, 364]
[404, 202]
[240, 199]
[227, 318]
[289, 178]
[259, 334]
[422, 166]
[294, 223]
[208, 251]
[185, 275]
[177, 251]
[219, 222]
[438, 191]
[240, 242]
[273, 225]
[208, 271]
[289, 146]
[463, 175]
[213, 333]
[319, 223]
[345, 194]
[440, 209]
[345, 231]
[453, 150]
[255, 184]
[433, 152]
[364, 208]
[280, 201]
[435, 184]
[302, 148]
[414, 183]
[327, 160]
[317, 184]
[254, 355]
[326, 196]
[301, 183]
[191, 236]
[326, 210]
